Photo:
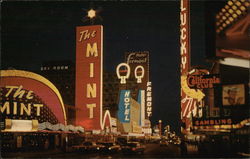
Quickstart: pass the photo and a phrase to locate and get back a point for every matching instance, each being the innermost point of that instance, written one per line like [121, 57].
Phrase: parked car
[109, 147]
[163, 143]
[133, 147]
[88, 146]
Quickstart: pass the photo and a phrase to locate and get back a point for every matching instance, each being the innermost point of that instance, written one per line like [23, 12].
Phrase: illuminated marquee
[212, 122]
[26, 95]
[17, 107]
[89, 69]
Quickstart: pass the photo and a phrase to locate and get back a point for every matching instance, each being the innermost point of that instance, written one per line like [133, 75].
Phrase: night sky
[36, 32]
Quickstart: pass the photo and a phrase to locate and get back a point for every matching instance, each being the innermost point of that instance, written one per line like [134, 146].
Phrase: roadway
[151, 151]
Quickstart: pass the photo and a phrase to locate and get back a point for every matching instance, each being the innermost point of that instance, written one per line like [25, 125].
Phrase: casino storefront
[33, 116]
[223, 123]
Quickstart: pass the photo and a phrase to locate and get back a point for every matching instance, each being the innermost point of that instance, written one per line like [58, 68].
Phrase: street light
[160, 122]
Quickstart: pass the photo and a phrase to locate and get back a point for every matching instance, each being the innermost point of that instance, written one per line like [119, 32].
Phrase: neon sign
[149, 99]
[202, 81]
[124, 106]
[123, 77]
[89, 69]
[24, 109]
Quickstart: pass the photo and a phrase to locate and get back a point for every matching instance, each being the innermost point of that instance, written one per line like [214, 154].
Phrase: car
[177, 142]
[163, 143]
[88, 146]
[133, 147]
[109, 147]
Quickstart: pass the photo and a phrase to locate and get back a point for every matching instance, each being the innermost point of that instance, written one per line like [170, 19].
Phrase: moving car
[163, 143]
[133, 147]
[88, 146]
[109, 147]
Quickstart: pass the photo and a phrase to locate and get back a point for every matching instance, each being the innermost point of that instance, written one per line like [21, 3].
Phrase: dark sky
[35, 32]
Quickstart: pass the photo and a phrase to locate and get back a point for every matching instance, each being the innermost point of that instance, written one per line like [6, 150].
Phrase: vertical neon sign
[89, 68]
[184, 52]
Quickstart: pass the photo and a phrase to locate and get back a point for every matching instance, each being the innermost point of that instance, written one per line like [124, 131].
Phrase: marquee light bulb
[238, 12]
[247, 4]
[230, 3]
[243, 8]
[234, 7]
[235, 15]
[231, 19]
[238, 3]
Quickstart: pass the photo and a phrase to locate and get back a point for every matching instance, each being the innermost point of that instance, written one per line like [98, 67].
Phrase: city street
[151, 151]
[125, 79]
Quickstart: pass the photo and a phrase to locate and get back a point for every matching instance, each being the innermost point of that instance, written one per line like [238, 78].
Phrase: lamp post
[160, 125]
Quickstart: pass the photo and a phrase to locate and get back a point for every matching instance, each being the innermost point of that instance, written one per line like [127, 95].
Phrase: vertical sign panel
[141, 101]
[149, 100]
[89, 76]
[185, 37]
[124, 106]
[187, 103]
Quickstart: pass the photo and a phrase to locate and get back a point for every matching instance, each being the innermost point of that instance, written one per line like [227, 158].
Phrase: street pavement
[151, 151]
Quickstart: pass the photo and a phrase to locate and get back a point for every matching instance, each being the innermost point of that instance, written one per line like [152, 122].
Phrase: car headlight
[98, 148]
[110, 148]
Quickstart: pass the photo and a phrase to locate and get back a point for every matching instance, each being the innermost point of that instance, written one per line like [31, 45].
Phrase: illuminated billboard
[139, 65]
[26, 95]
[233, 95]
[124, 106]
[89, 73]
